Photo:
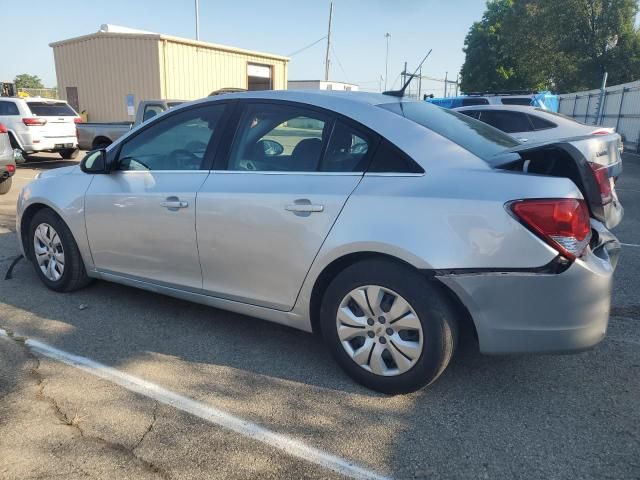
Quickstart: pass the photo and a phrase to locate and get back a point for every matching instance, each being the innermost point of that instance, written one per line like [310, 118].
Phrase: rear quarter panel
[444, 219]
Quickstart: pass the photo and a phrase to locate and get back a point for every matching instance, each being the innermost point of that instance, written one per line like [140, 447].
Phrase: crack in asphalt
[150, 427]
[75, 422]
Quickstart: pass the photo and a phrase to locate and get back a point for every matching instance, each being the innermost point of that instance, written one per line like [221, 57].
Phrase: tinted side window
[516, 101]
[8, 108]
[347, 151]
[540, 123]
[284, 138]
[470, 101]
[509, 122]
[177, 142]
[390, 159]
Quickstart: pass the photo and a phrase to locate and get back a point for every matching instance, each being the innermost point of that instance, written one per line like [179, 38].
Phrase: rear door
[263, 214]
[60, 117]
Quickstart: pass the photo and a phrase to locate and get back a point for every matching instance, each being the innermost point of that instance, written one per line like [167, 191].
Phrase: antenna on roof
[400, 93]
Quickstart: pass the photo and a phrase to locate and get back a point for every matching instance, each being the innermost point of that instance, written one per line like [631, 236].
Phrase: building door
[72, 98]
[259, 77]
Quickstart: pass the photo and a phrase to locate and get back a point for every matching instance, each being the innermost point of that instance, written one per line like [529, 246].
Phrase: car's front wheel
[55, 254]
[387, 326]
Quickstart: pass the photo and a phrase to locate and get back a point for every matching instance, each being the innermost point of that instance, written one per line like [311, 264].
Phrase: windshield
[477, 137]
[52, 109]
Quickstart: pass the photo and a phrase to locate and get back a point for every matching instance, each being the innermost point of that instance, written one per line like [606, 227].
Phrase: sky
[275, 26]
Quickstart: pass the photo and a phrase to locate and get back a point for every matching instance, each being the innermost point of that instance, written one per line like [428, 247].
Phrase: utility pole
[446, 76]
[419, 97]
[457, 82]
[326, 60]
[386, 61]
[197, 22]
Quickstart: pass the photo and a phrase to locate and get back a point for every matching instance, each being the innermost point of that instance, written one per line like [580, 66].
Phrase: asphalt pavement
[161, 388]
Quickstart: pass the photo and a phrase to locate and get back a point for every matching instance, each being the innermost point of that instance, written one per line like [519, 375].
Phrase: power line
[340, 64]
[308, 46]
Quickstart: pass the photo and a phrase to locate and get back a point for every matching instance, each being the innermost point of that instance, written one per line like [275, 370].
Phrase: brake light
[30, 121]
[562, 223]
[601, 174]
[77, 120]
[11, 168]
[601, 131]
[3, 129]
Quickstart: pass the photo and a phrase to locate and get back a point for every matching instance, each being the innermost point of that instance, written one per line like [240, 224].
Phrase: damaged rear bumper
[533, 312]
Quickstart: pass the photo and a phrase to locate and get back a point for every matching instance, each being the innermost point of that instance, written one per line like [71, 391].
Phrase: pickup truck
[100, 135]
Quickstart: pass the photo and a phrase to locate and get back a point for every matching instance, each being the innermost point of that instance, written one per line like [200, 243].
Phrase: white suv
[40, 125]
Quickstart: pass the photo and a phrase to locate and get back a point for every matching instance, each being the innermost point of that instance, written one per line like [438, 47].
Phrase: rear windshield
[479, 138]
[516, 101]
[44, 109]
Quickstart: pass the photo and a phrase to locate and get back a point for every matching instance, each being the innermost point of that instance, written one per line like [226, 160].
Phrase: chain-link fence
[618, 107]
[38, 92]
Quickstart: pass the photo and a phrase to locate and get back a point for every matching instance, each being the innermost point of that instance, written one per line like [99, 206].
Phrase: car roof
[43, 99]
[314, 97]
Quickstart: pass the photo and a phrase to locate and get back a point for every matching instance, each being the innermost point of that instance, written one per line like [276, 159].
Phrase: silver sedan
[385, 225]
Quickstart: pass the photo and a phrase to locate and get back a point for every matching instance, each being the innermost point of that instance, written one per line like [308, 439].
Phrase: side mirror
[94, 162]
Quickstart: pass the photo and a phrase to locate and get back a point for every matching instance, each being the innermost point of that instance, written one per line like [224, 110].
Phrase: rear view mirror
[94, 162]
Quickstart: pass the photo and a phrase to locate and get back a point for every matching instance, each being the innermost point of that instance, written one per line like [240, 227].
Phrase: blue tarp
[545, 100]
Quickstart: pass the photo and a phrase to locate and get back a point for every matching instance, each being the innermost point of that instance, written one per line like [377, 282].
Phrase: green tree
[563, 45]
[28, 81]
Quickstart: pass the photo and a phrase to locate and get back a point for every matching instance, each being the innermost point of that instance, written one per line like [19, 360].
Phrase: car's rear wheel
[387, 326]
[69, 153]
[5, 185]
[54, 253]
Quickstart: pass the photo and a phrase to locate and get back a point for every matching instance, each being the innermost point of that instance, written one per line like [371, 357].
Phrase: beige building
[100, 72]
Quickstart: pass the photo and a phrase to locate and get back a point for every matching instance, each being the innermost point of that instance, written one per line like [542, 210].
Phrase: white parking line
[211, 414]
[629, 244]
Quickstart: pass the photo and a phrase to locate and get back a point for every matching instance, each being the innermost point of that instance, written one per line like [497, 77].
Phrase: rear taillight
[3, 129]
[562, 223]
[602, 131]
[77, 120]
[30, 121]
[11, 168]
[601, 174]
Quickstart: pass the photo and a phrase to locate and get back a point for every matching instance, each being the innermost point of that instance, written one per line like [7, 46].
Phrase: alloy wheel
[48, 250]
[379, 330]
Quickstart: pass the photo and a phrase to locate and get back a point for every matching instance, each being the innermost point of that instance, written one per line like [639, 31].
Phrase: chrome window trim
[302, 172]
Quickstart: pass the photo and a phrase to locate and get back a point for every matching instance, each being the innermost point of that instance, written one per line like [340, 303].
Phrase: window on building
[259, 77]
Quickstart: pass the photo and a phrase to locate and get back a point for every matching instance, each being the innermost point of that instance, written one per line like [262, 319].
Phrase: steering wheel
[189, 160]
[196, 145]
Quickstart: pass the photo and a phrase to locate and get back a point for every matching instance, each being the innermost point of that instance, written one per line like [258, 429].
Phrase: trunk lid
[578, 159]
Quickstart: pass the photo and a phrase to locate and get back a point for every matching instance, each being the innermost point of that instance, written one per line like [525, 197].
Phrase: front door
[262, 219]
[141, 218]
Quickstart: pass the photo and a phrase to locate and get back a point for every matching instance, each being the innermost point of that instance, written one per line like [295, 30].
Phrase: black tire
[69, 153]
[5, 185]
[435, 312]
[74, 275]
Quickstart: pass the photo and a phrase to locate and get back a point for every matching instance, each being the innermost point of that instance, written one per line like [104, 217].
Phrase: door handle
[304, 208]
[174, 203]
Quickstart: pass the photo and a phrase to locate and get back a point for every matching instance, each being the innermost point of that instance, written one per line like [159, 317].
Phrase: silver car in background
[531, 124]
[7, 160]
[385, 224]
